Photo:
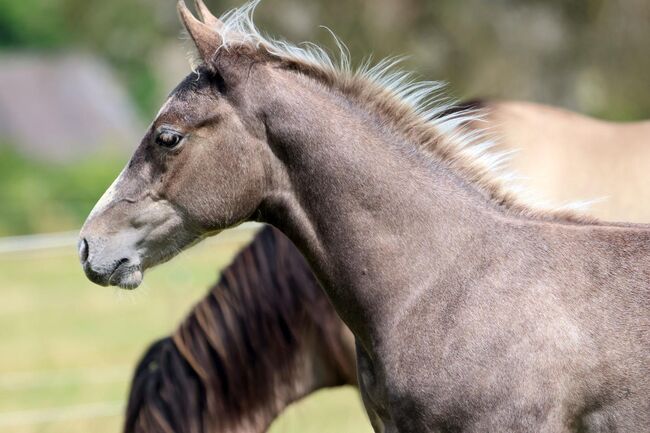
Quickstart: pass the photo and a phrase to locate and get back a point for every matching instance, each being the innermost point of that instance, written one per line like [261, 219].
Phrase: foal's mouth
[126, 275]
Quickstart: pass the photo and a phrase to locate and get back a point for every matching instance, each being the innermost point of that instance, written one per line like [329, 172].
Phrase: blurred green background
[80, 80]
[587, 55]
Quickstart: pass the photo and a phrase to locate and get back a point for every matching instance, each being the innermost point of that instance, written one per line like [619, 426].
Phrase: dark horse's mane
[239, 346]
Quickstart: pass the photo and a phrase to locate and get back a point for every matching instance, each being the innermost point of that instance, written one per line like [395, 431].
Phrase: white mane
[425, 98]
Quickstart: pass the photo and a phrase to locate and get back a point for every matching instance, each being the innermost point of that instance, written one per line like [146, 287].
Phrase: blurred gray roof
[61, 107]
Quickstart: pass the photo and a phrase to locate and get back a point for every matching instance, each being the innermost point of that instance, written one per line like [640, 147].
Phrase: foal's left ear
[206, 16]
[205, 35]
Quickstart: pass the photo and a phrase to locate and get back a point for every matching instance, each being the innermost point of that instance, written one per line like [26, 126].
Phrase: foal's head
[202, 166]
[233, 136]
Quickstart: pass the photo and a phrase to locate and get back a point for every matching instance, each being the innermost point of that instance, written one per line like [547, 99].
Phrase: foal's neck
[355, 196]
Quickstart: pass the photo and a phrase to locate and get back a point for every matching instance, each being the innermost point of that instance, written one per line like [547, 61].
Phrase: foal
[263, 337]
[472, 311]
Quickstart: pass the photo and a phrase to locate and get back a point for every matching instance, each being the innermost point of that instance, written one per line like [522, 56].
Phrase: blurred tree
[125, 32]
[589, 55]
[32, 23]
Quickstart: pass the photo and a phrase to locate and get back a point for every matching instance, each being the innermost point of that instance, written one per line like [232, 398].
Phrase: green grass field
[68, 347]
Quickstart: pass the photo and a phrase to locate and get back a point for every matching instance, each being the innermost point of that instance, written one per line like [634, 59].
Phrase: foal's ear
[206, 16]
[205, 35]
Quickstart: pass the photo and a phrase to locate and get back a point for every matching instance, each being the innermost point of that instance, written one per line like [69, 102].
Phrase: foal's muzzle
[105, 266]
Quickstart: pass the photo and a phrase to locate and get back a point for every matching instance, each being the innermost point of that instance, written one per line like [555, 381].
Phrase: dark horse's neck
[264, 337]
[355, 195]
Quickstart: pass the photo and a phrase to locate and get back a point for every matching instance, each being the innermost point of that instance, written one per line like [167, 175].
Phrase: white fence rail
[58, 414]
[17, 244]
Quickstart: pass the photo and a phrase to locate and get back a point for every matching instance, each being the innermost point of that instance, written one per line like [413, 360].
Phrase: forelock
[193, 85]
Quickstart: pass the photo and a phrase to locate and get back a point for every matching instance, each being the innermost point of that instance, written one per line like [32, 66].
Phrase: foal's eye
[168, 139]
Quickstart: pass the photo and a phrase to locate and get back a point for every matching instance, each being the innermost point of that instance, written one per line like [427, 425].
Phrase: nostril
[83, 250]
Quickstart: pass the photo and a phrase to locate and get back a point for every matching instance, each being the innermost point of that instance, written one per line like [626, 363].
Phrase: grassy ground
[67, 347]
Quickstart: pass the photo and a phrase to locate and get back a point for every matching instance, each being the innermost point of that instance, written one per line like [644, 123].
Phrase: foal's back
[565, 156]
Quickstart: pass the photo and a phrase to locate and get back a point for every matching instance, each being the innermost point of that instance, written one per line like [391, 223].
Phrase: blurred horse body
[566, 156]
[263, 337]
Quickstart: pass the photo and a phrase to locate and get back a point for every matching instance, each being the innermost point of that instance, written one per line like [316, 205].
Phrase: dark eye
[168, 139]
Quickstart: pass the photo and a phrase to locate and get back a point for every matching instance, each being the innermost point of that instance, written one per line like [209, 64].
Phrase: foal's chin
[126, 277]
[129, 276]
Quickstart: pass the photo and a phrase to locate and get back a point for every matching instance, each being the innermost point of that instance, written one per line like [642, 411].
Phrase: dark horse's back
[265, 324]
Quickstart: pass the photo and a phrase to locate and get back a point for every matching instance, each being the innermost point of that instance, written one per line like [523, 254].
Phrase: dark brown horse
[472, 311]
[263, 337]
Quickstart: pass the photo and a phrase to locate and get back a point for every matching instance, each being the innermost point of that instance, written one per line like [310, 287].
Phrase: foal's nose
[83, 250]
[98, 277]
